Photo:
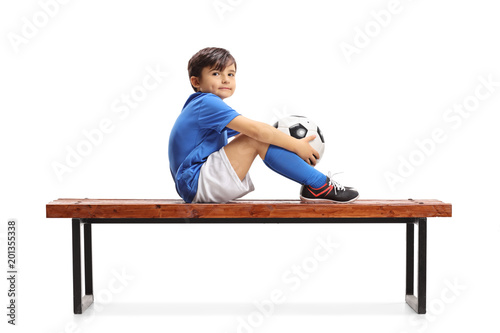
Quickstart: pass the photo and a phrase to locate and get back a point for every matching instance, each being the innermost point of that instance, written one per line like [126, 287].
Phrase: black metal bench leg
[417, 303]
[80, 304]
[87, 245]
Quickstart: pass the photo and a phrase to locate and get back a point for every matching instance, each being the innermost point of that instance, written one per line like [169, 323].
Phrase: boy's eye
[215, 74]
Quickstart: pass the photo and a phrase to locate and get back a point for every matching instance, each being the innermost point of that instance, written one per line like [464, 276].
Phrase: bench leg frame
[80, 303]
[417, 303]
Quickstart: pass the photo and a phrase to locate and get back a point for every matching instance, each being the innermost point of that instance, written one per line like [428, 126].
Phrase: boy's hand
[306, 151]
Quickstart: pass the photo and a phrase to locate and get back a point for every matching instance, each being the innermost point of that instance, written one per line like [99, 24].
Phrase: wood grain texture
[168, 208]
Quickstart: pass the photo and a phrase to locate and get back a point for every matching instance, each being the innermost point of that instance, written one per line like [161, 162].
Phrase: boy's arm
[268, 134]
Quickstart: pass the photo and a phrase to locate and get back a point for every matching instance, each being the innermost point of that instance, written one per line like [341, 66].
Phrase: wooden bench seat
[93, 211]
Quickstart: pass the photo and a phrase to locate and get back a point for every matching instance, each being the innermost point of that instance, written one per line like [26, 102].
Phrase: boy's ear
[195, 82]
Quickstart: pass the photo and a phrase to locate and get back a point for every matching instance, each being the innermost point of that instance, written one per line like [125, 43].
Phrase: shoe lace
[336, 185]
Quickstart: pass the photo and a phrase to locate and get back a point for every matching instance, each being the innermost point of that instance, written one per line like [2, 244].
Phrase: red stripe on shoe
[319, 188]
[329, 189]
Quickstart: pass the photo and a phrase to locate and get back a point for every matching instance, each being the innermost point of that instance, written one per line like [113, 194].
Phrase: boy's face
[220, 83]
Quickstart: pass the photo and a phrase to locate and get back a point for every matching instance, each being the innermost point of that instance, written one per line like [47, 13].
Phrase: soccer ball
[299, 127]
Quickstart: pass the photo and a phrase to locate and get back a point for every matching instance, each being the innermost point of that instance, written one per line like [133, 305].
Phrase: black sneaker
[330, 192]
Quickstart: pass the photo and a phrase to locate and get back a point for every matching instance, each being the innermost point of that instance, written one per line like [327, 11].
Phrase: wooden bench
[95, 211]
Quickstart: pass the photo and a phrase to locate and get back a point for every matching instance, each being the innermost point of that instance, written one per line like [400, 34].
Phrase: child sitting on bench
[206, 168]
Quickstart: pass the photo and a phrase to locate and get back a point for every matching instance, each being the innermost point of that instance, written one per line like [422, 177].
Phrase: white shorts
[218, 182]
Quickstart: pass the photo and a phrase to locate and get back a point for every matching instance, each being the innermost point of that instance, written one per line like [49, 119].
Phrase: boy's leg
[291, 166]
[242, 151]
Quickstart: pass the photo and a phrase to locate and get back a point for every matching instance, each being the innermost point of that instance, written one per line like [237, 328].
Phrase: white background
[70, 73]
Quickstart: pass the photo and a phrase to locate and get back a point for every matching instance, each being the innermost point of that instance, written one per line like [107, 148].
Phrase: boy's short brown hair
[213, 57]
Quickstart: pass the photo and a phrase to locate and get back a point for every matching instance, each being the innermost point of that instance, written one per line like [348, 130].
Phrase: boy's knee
[259, 146]
[249, 144]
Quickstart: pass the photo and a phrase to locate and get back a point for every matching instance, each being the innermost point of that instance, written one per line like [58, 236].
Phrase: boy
[206, 168]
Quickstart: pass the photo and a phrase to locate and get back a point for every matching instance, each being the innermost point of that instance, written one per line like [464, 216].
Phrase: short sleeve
[215, 114]
[231, 133]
